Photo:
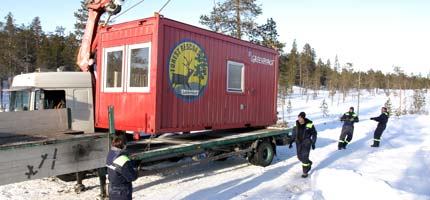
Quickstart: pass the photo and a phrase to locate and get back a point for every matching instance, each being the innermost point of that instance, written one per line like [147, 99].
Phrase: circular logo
[188, 70]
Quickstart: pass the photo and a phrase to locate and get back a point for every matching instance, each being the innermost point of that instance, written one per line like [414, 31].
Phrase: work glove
[372, 118]
[313, 146]
[352, 119]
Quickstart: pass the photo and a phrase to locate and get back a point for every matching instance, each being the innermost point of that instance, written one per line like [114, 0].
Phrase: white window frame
[137, 46]
[105, 52]
[242, 84]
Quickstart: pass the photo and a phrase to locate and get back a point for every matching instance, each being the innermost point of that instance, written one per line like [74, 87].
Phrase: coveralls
[305, 136]
[382, 119]
[121, 174]
[349, 118]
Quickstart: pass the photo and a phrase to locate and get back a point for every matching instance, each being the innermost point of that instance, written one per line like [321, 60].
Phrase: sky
[370, 34]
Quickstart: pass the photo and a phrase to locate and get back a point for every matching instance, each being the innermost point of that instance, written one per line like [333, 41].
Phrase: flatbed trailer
[257, 145]
[46, 147]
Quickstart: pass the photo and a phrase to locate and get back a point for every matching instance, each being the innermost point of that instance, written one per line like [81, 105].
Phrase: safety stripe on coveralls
[121, 160]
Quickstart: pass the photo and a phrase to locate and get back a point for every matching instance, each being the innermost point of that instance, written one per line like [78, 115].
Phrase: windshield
[19, 100]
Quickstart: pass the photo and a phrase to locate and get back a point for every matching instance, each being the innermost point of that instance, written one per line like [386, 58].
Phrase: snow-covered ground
[399, 169]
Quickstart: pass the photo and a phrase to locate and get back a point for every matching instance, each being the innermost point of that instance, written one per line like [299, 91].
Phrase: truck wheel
[263, 155]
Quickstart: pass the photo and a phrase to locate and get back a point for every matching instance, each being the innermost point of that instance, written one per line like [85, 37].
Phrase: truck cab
[55, 90]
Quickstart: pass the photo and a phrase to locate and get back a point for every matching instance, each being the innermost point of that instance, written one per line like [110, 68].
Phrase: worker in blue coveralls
[382, 124]
[305, 137]
[349, 118]
[120, 171]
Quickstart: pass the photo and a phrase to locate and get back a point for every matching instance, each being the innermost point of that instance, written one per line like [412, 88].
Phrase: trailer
[258, 146]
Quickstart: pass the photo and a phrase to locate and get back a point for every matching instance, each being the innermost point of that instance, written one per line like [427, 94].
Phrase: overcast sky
[376, 34]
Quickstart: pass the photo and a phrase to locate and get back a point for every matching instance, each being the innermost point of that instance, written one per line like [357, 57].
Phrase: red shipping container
[165, 76]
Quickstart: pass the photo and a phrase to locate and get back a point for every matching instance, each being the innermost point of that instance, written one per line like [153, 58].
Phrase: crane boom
[96, 8]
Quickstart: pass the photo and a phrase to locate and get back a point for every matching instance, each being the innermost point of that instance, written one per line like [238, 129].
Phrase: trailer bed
[196, 142]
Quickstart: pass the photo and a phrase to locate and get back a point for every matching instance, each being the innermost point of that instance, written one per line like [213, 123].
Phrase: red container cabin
[165, 76]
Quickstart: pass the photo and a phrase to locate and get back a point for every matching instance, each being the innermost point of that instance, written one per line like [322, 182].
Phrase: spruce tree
[389, 106]
[418, 103]
[324, 108]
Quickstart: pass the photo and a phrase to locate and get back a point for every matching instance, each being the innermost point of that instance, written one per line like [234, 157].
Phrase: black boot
[339, 146]
[375, 144]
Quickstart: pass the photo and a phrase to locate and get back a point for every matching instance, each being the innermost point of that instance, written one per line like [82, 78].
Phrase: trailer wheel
[263, 155]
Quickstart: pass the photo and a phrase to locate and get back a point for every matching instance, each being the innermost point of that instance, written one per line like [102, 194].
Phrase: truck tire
[263, 155]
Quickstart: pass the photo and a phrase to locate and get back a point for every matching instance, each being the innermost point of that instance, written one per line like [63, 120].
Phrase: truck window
[113, 62]
[138, 67]
[235, 76]
[19, 100]
[54, 99]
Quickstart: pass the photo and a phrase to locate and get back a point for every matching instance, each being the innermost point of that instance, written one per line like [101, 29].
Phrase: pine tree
[266, 35]
[234, 17]
[292, 66]
[316, 78]
[289, 108]
[81, 16]
[283, 75]
[345, 80]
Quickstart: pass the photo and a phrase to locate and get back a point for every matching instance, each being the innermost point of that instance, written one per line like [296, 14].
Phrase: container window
[138, 67]
[113, 62]
[235, 76]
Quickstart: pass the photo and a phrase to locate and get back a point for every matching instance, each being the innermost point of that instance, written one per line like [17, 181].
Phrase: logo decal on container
[188, 70]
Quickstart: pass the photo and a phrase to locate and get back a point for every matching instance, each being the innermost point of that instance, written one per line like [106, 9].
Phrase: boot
[341, 146]
[375, 144]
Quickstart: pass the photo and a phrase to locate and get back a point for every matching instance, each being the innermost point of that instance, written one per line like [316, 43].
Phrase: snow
[397, 170]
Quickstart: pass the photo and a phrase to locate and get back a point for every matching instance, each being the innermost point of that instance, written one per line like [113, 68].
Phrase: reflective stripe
[378, 140]
[346, 142]
[341, 141]
[120, 161]
[354, 115]
[347, 113]
[386, 113]
[309, 125]
[306, 164]
[111, 167]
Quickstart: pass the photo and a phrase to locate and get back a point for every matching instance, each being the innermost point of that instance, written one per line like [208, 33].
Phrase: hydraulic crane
[96, 8]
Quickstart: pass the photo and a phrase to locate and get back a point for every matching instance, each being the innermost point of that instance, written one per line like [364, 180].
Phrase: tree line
[301, 67]
[27, 48]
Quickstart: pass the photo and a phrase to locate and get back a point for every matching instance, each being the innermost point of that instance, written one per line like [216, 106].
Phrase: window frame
[242, 84]
[104, 72]
[128, 66]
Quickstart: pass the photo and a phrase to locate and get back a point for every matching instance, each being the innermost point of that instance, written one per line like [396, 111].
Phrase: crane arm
[96, 8]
